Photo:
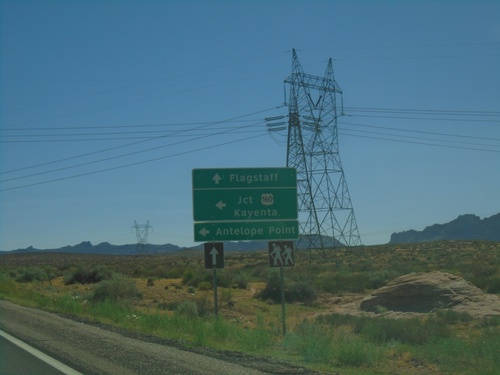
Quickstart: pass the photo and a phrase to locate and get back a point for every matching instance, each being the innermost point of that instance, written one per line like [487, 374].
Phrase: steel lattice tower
[326, 215]
[142, 232]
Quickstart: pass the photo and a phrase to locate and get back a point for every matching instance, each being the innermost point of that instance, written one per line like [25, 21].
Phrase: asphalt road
[93, 350]
[15, 360]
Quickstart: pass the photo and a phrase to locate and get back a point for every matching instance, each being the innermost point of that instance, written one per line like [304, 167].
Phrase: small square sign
[281, 254]
[214, 254]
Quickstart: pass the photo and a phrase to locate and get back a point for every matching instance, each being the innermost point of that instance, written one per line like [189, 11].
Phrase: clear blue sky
[107, 106]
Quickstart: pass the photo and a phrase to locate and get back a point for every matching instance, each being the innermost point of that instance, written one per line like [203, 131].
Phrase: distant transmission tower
[326, 215]
[142, 232]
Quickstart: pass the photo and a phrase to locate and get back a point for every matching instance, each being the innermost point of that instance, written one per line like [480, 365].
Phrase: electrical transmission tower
[326, 215]
[142, 232]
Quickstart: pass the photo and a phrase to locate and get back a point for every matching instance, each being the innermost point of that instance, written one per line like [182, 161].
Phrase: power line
[131, 164]
[421, 131]
[420, 143]
[202, 126]
[116, 156]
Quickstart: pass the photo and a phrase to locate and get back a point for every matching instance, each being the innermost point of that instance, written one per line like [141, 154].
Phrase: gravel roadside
[100, 349]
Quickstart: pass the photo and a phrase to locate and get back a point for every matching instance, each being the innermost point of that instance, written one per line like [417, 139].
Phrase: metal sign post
[214, 258]
[283, 309]
[281, 254]
[216, 303]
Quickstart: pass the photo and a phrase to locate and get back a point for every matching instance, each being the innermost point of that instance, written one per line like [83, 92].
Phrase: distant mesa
[464, 227]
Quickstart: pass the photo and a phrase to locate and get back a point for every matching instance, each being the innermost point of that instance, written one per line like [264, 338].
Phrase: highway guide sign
[245, 204]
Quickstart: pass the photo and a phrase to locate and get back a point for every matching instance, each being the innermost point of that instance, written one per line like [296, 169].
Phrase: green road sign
[245, 204]
[246, 231]
[234, 178]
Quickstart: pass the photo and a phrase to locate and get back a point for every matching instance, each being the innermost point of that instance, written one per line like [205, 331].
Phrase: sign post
[214, 258]
[281, 254]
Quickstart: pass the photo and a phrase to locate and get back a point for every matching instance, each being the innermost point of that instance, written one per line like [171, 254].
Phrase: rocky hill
[86, 247]
[464, 227]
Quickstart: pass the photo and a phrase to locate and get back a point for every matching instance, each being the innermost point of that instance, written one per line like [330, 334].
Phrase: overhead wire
[201, 126]
[131, 164]
[126, 154]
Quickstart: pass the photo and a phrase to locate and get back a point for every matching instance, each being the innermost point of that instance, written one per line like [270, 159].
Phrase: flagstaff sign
[245, 204]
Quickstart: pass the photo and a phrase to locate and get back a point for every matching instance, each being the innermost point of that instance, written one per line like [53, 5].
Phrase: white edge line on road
[37, 353]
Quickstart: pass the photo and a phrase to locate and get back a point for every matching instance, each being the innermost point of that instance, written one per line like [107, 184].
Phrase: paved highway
[15, 360]
[92, 350]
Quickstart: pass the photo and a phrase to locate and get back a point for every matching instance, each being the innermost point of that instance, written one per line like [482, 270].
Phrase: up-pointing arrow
[217, 179]
[220, 205]
[214, 254]
[204, 231]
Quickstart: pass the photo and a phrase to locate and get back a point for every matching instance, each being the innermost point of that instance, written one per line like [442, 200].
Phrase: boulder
[424, 292]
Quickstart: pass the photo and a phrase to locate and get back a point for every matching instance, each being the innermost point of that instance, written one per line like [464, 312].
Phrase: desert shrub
[295, 292]
[300, 292]
[92, 275]
[204, 285]
[224, 278]
[30, 274]
[174, 273]
[406, 331]
[311, 341]
[379, 279]
[336, 320]
[193, 278]
[187, 309]
[344, 281]
[493, 284]
[447, 316]
[204, 305]
[117, 288]
[227, 295]
[272, 289]
[241, 281]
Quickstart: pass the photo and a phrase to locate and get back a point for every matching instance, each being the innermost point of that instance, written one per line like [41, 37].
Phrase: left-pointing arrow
[214, 254]
[220, 205]
[204, 231]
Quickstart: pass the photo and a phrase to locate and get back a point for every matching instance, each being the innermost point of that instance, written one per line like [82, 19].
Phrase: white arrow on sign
[220, 205]
[214, 254]
[217, 179]
[204, 231]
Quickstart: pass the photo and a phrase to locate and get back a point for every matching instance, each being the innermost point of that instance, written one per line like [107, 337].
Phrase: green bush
[447, 316]
[117, 288]
[295, 292]
[406, 331]
[311, 341]
[193, 278]
[204, 285]
[84, 275]
[300, 292]
[30, 274]
[187, 309]
[241, 281]
[204, 305]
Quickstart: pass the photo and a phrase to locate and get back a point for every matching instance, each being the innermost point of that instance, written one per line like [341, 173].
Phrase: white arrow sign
[220, 205]
[204, 231]
[214, 254]
[217, 179]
